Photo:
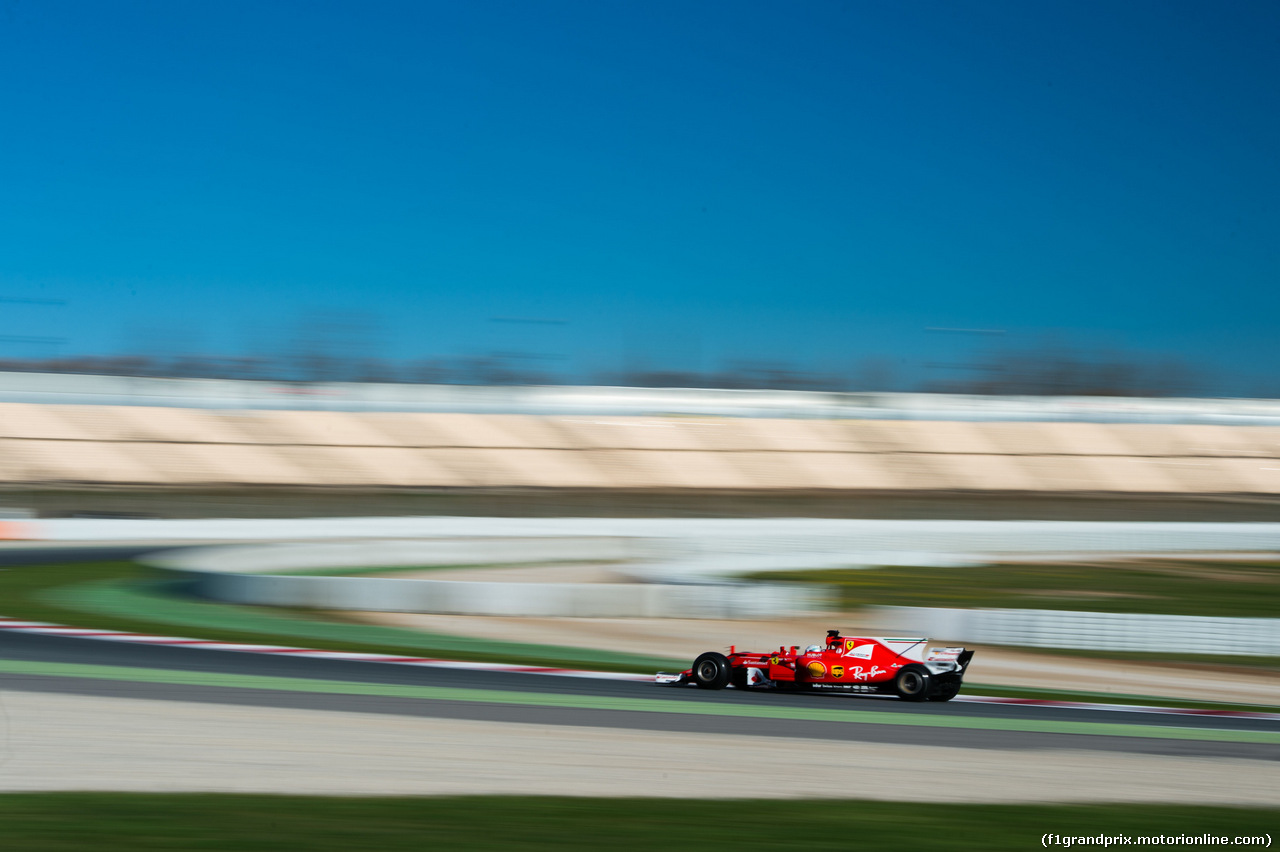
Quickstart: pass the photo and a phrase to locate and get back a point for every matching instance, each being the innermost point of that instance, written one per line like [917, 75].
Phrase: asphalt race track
[528, 698]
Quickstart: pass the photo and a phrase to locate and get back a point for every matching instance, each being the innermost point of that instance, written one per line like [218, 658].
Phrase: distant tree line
[1065, 372]
[1034, 371]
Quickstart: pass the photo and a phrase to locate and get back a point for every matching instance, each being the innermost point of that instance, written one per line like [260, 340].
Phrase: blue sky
[682, 185]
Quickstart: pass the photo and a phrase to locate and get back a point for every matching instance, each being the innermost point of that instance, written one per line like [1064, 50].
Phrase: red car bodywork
[902, 667]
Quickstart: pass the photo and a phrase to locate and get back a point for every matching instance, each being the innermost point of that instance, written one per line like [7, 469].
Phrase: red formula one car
[901, 667]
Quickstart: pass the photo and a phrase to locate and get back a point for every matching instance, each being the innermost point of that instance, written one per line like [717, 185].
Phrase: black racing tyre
[712, 671]
[912, 683]
[945, 692]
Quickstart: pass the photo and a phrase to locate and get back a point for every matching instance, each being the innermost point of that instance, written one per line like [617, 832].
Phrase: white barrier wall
[730, 537]
[295, 557]
[238, 574]
[74, 389]
[451, 597]
[1097, 631]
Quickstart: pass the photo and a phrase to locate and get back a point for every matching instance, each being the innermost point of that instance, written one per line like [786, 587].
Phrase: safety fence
[1176, 635]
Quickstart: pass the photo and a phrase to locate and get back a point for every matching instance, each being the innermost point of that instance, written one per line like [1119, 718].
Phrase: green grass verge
[1233, 589]
[126, 596]
[105, 822]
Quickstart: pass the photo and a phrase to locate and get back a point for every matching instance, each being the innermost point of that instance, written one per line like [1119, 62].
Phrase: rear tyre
[912, 683]
[712, 671]
[945, 692]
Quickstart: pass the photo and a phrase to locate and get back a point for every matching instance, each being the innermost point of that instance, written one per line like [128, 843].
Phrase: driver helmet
[813, 649]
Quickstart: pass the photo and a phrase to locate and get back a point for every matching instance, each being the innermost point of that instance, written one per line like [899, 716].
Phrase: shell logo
[837, 671]
[816, 669]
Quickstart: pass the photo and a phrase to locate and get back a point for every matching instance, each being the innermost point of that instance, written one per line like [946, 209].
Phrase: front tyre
[712, 671]
[912, 683]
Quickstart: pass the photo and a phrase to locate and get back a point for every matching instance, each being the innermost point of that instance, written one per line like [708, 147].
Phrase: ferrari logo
[775, 660]
[837, 671]
[849, 643]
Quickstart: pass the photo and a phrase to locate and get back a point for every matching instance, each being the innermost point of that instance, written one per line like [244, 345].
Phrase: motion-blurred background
[957, 318]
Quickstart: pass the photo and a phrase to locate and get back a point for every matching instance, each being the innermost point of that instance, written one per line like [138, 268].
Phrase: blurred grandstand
[83, 444]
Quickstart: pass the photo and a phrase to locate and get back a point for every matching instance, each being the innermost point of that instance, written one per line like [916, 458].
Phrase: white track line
[47, 629]
[1116, 708]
